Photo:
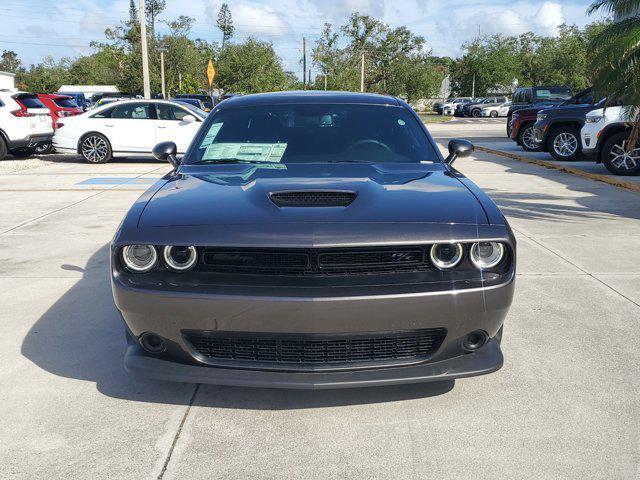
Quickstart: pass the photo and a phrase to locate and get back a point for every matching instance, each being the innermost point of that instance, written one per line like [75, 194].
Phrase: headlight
[486, 254]
[596, 119]
[541, 116]
[446, 255]
[139, 258]
[180, 259]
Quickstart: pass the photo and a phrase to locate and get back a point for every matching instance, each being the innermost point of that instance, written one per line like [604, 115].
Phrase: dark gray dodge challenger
[313, 240]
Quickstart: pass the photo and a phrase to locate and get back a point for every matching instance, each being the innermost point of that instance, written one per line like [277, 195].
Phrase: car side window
[137, 111]
[170, 112]
[104, 113]
[528, 96]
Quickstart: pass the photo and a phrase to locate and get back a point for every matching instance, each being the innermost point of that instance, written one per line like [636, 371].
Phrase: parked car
[536, 97]
[206, 99]
[449, 106]
[557, 129]
[496, 110]
[25, 123]
[191, 101]
[225, 96]
[126, 128]
[475, 109]
[605, 137]
[296, 244]
[521, 128]
[59, 106]
[79, 98]
[459, 111]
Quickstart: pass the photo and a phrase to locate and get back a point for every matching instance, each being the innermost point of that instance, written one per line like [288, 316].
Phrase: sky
[37, 28]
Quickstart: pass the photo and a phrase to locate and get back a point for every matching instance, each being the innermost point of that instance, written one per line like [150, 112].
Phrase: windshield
[553, 93]
[316, 133]
[193, 108]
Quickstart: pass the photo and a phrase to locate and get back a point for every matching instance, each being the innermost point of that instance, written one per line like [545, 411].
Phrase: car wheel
[95, 148]
[493, 114]
[615, 156]
[525, 138]
[475, 113]
[44, 148]
[564, 144]
[3, 148]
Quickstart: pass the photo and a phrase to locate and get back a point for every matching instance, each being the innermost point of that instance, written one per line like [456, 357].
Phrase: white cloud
[549, 17]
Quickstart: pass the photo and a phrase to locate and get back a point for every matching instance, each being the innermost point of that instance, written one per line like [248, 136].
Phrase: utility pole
[180, 81]
[309, 78]
[304, 63]
[162, 50]
[145, 53]
[362, 73]
[473, 87]
[325, 81]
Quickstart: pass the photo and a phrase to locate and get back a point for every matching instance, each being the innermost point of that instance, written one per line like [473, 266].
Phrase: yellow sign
[211, 72]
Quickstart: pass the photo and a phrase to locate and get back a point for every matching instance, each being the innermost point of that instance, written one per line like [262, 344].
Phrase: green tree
[225, 23]
[251, 67]
[9, 62]
[616, 56]
[152, 9]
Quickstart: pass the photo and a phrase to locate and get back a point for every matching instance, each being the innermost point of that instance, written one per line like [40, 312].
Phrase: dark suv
[532, 97]
[557, 129]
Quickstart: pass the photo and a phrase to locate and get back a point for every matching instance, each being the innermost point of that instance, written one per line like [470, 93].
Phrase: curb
[575, 171]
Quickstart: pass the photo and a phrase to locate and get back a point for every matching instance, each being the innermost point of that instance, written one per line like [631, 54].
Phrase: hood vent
[308, 198]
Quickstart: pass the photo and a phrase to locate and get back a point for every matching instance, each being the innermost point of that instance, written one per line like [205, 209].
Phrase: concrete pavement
[565, 405]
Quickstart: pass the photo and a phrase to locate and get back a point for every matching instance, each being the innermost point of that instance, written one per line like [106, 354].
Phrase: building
[88, 90]
[7, 81]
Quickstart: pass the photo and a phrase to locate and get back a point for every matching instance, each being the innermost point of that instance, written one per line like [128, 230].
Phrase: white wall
[7, 81]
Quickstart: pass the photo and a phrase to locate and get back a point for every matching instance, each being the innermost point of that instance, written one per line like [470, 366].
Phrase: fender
[605, 133]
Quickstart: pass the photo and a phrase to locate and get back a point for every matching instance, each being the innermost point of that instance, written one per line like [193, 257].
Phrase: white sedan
[496, 110]
[127, 128]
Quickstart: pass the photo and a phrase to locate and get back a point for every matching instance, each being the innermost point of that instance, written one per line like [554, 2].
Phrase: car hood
[240, 194]
[570, 108]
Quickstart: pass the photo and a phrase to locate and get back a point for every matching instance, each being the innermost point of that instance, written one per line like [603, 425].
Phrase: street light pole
[162, 50]
[145, 53]
[362, 74]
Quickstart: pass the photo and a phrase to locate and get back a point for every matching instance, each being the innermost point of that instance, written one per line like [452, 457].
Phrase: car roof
[106, 105]
[54, 95]
[309, 96]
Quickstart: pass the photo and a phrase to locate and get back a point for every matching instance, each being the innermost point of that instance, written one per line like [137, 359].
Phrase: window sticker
[254, 152]
[211, 135]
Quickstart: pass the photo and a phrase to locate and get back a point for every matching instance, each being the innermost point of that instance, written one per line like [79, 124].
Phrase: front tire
[615, 156]
[493, 114]
[525, 138]
[475, 113]
[564, 144]
[95, 148]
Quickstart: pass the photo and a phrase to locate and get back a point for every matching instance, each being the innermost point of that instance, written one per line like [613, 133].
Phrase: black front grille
[316, 350]
[312, 198]
[369, 260]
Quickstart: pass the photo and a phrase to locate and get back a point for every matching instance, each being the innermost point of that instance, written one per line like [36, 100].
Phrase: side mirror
[166, 152]
[458, 148]
[188, 119]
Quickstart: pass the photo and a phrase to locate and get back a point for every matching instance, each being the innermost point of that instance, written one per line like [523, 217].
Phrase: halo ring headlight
[139, 258]
[486, 255]
[446, 255]
[180, 259]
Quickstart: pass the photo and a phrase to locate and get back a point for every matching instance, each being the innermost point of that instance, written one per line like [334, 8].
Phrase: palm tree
[617, 57]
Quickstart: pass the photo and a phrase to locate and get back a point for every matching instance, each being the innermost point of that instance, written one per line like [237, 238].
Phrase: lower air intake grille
[312, 199]
[316, 350]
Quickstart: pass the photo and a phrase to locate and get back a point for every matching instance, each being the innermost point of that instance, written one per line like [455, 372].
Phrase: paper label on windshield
[253, 152]
[211, 135]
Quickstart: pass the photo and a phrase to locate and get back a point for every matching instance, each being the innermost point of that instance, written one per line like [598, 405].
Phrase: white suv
[25, 123]
[605, 137]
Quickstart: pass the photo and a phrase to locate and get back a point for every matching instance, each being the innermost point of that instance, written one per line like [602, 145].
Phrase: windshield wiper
[226, 160]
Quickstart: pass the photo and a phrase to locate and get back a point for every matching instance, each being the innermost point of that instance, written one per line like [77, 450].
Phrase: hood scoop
[313, 198]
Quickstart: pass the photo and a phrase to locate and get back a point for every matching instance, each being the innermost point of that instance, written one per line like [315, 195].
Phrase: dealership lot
[565, 405]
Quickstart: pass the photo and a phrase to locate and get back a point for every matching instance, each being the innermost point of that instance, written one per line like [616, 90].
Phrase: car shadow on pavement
[598, 200]
[64, 158]
[81, 336]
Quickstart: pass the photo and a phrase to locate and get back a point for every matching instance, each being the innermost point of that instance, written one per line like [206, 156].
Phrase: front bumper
[170, 314]
[485, 360]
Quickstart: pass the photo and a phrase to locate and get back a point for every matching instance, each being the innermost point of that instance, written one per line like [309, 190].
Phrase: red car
[520, 128]
[60, 106]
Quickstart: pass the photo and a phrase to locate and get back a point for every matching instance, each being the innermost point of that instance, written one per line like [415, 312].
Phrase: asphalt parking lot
[566, 404]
